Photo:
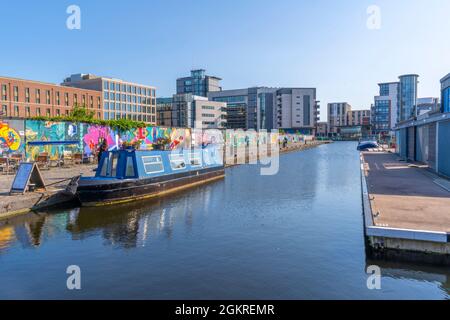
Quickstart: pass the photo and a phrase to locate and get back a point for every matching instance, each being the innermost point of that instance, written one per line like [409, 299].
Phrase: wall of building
[26, 99]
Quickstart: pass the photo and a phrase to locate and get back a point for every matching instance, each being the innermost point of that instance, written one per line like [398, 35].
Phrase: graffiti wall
[52, 133]
[94, 135]
[12, 136]
[148, 136]
[16, 135]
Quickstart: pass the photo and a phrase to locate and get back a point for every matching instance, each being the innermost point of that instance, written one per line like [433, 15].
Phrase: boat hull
[101, 193]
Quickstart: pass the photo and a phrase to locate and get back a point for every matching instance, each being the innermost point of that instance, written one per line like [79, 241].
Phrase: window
[27, 112]
[48, 113]
[91, 101]
[112, 87]
[104, 170]
[113, 160]
[27, 94]
[83, 100]
[99, 104]
[58, 113]
[38, 112]
[16, 94]
[152, 164]
[66, 99]
[4, 94]
[177, 161]
[75, 99]
[195, 159]
[5, 110]
[58, 98]
[47, 97]
[129, 168]
[16, 111]
[106, 85]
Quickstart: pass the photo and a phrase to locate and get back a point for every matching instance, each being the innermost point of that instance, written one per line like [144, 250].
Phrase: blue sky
[323, 44]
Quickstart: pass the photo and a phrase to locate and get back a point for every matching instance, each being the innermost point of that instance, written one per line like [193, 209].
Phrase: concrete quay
[406, 210]
[55, 178]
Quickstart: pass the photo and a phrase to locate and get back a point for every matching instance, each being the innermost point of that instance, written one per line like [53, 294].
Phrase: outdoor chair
[67, 158]
[78, 158]
[43, 161]
[4, 165]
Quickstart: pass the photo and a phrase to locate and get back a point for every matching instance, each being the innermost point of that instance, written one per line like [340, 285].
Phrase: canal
[294, 235]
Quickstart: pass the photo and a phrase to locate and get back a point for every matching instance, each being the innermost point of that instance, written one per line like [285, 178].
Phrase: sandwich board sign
[28, 174]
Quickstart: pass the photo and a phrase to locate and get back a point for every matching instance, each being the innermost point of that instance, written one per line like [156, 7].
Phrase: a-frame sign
[28, 174]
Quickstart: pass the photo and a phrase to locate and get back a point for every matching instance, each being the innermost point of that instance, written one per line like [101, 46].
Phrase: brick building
[26, 99]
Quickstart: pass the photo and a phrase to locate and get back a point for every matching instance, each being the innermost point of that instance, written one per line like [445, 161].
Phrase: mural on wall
[48, 131]
[11, 136]
[148, 136]
[94, 135]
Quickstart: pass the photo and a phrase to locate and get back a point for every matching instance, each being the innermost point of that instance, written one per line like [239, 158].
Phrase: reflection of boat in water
[128, 175]
[366, 145]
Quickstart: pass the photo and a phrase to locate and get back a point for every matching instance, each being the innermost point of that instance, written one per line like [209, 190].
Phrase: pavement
[55, 179]
[406, 196]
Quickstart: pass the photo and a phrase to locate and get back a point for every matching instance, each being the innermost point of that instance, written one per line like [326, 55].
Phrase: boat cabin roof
[139, 164]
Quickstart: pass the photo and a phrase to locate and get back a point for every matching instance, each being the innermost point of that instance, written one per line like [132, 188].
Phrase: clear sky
[323, 44]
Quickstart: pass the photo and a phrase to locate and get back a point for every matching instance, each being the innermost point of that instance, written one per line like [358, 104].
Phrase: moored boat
[128, 175]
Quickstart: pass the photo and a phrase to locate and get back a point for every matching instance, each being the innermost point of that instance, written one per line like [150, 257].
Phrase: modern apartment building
[407, 96]
[360, 118]
[339, 115]
[237, 110]
[164, 112]
[121, 99]
[385, 110]
[198, 84]
[26, 98]
[270, 108]
[190, 111]
[297, 108]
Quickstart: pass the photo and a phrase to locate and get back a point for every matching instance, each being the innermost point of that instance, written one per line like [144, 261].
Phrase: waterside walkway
[406, 207]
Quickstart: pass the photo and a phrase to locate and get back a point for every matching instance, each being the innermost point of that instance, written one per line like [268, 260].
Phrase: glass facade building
[445, 94]
[407, 96]
[198, 84]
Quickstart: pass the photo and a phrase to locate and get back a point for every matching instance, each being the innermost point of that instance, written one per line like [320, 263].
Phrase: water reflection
[283, 236]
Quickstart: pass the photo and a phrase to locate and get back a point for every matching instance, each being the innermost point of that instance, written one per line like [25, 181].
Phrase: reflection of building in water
[7, 235]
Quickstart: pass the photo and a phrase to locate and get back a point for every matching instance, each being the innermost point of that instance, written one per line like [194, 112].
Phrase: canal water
[294, 235]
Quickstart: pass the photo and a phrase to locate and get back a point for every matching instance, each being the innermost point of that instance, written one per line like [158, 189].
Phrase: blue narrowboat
[128, 175]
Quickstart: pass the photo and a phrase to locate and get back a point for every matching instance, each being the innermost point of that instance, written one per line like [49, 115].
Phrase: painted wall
[15, 135]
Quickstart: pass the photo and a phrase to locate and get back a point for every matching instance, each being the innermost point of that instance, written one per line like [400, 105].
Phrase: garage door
[432, 145]
[422, 144]
[411, 143]
[444, 148]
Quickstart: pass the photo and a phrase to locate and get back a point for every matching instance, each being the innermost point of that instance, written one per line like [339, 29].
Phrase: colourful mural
[94, 135]
[55, 132]
[179, 137]
[11, 140]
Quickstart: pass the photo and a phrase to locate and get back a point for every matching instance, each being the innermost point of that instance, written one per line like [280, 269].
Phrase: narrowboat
[129, 175]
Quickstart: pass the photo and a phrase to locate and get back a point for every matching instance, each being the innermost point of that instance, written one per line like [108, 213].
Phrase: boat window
[177, 161]
[196, 160]
[104, 169]
[152, 164]
[129, 170]
[114, 164]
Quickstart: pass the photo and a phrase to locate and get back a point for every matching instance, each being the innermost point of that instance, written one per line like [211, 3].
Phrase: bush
[82, 114]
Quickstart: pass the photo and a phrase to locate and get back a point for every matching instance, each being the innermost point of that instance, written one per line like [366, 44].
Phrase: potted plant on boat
[132, 145]
[161, 144]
